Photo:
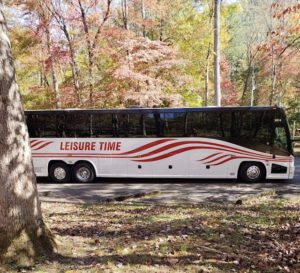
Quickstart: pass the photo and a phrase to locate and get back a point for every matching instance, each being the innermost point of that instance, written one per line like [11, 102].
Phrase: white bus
[248, 143]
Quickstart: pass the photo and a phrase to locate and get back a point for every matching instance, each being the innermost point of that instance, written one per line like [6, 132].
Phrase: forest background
[155, 53]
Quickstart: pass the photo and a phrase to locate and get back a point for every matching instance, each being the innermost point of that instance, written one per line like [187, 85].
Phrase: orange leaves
[288, 10]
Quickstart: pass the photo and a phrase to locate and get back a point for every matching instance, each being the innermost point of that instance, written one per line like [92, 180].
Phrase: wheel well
[256, 162]
[55, 161]
[86, 162]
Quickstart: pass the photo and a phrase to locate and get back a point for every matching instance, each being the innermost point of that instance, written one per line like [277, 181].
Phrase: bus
[248, 143]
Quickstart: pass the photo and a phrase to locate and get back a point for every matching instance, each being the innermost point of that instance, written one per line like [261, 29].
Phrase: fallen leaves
[128, 237]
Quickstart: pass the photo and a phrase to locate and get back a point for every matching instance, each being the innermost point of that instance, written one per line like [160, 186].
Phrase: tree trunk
[20, 210]
[207, 75]
[143, 17]
[217, 75]
[161, 29]
[273, 77]
[73, 63]
[89, 50]
[125, 14]
[246, 84]
[253, 86]
[53, 72]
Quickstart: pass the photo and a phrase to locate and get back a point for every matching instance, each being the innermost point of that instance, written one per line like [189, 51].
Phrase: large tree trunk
[20, 210]
[217, 75]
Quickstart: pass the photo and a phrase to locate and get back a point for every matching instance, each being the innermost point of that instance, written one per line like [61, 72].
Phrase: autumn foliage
[92, 53]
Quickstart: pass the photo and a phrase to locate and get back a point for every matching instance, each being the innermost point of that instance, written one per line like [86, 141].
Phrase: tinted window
[77, 125]
[135, 125]
[102, 125]
[173, 124]
[151, 125]
[206, 124]
[42, 125]
[128, 125]
[252, 125]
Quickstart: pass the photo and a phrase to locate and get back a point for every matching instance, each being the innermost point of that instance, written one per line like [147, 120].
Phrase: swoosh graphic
[42, 146]
[37, 143]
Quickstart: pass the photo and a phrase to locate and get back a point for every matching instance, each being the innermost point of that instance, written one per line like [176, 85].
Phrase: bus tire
[83, 172]
[252, 172]
[60, 172]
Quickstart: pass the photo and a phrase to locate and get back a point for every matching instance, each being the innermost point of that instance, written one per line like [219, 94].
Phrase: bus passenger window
[150, 125]
[102, 125]
[174, 124]
[135, 125]
[45, 125]
[83, 125]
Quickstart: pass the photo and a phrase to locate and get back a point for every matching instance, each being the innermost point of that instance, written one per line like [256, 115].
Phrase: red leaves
[288, 10]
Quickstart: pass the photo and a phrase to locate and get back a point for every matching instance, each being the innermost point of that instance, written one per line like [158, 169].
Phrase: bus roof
[161, 110]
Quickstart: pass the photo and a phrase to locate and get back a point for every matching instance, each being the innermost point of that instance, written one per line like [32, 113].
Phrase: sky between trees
[155, 53]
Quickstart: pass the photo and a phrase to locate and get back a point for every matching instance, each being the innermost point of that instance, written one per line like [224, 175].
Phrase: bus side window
[159, 124]
[121, 125]
[135, 125]
[205, 124]
[82, 125]
[46, 125]
[70, 123]
[174, 124]
[30, 120]
[102, 125]
[149, 125]
[60, 123]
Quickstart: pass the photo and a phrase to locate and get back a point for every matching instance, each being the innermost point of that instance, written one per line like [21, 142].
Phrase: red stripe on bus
[37, 143]
[42, 146]
[147, 146]
[243, 157]
[163, 156]
[216, 159]
[210, 156]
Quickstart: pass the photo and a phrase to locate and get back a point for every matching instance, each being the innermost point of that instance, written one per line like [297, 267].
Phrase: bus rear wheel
[60, 172]
[83, 172]
[252, 172]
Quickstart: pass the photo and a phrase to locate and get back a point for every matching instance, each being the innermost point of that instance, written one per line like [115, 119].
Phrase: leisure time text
[90, 146]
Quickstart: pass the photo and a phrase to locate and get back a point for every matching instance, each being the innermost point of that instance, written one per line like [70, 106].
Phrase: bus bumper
[292, 170]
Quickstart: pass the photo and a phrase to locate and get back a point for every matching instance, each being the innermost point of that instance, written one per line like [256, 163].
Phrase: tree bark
[91, 45]
[53, 72]
[273, 78]
[20, 210]
[253, 86]
[89, 50]
[207, 75]
[125, 14]
[217, 75]
[143, 17]
[73, 63]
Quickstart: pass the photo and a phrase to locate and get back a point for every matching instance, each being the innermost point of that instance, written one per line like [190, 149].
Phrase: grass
[261, 235]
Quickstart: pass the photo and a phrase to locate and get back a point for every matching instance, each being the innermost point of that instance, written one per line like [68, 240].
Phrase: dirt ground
[258, 234]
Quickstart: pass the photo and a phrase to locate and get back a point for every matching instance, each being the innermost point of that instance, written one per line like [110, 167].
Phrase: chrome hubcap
[253, 172]
[83, 174]
[60, 173]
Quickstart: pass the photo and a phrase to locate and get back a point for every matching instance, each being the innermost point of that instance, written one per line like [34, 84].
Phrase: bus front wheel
[252, 172]
[83, 172]
[60, 172]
